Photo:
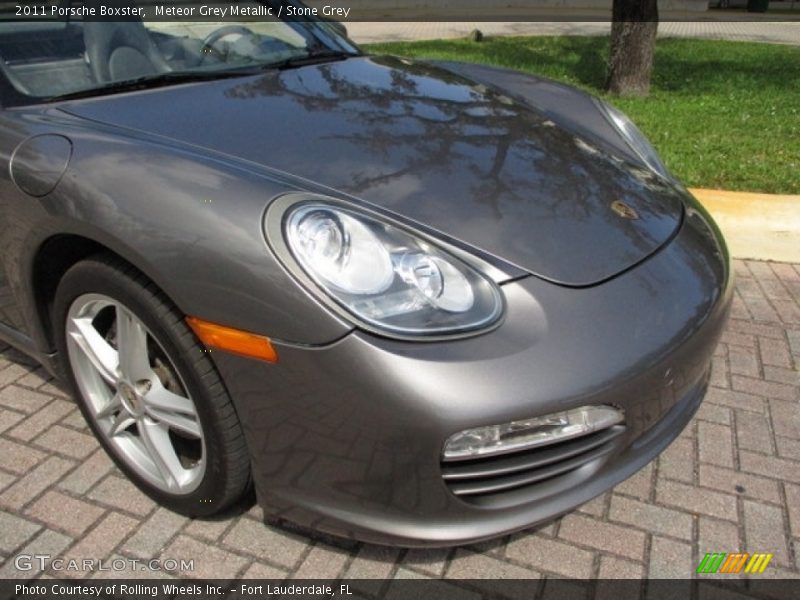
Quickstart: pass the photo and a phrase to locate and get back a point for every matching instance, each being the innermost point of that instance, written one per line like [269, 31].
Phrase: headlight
[634, 137]
[385, 276]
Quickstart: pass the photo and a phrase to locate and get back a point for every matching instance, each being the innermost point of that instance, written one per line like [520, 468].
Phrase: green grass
[722, 114]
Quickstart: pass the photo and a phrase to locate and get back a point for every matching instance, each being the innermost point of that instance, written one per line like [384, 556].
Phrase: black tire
[226, 478]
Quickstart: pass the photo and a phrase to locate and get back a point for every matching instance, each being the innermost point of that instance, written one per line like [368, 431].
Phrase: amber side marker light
[232, 340]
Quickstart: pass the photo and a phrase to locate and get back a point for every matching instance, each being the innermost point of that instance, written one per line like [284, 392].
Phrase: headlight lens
[387, 277]
[635, 138]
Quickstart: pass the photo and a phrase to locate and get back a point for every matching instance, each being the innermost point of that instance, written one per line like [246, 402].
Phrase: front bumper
[347, 438]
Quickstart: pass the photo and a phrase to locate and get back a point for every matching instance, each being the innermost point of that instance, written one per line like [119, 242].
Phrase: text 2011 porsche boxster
[409, 302]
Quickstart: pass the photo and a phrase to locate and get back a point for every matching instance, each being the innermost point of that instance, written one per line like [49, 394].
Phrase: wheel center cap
[130, 400]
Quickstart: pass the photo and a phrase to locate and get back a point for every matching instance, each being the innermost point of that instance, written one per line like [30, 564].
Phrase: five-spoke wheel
[148, 389]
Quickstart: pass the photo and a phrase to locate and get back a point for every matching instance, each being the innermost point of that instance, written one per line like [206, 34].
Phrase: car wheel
[148, 390]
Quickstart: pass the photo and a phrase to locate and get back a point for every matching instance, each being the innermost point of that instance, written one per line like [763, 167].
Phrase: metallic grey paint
[346, 432]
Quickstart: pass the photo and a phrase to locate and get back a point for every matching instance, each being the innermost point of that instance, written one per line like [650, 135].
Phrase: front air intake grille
[473, 479]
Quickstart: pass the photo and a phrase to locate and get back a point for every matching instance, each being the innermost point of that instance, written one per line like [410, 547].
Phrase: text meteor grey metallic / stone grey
[408, 302]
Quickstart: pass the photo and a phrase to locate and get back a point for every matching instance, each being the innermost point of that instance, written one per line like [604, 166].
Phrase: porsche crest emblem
[623, 210]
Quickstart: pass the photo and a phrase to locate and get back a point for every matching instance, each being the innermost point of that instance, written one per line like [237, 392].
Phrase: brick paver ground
[730, 482]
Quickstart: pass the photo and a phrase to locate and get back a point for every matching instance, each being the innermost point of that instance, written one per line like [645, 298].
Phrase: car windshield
[44, 59]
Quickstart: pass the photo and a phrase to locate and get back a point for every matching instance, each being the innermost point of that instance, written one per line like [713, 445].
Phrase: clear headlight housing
[637, 141]
[387, 277]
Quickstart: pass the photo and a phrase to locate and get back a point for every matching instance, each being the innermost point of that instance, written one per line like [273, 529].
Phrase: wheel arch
[50, 262]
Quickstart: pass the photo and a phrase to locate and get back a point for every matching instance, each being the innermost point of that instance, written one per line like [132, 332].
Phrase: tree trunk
[633, 40]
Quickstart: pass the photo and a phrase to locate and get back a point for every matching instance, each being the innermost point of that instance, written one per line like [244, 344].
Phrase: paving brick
[735, 399]
[715, 444]
[11, 373]
[696, 500]
[782, 375]
[209, 530]
[670, 559]
[756, 329]
[596, 506]
[261, 571]
[793, 507]
[431, 561]
[753, 432]
[34, 483]
[788, 311]
[720, 374]
[640, 485]
[785, 418]
[210, 562]
[60, 511]
[650, 517]
[550, 555]
[468, 565]
[741, 270]
[714, 413]
[678, 461]
[788, 448]
[774, 352]
[612, 567]
[784, 271]
[607, 537]
[67, 441]
[736, 482]
[732, 338]
[6, 479]
[154, 533]
[323, 562]
[266, 543]
[54, 388]
[748, 287]
[743, 361]
[41, 420]
[15, 531]
[763, 531]
[90, 471]
[120, 493]
[761, 309]
[370, 567]
[767, 389]
[35, 378]
[9, 418]
[48, 543]
[717, 536]
[75, 420]
[516, 581]
[793, 335]
[101, 541]
[771, 466]
[774, 289]
[18, 458]
[22, 399]
[739, 308]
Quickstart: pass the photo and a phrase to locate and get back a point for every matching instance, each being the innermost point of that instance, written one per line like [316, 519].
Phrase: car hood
[431, 146]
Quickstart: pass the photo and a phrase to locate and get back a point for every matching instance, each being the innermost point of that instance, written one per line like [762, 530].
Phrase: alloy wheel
[134, 394]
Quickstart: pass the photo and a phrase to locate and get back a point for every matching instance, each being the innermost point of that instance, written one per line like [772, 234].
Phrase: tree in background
[633, 41]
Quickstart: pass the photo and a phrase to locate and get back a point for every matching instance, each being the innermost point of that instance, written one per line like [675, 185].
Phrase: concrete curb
[756, 226]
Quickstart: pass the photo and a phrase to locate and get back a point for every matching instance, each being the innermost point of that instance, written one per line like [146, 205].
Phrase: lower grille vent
[473, 478]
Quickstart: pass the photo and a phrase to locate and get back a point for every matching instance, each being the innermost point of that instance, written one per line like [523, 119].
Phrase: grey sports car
[406, 302]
